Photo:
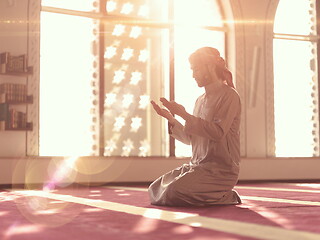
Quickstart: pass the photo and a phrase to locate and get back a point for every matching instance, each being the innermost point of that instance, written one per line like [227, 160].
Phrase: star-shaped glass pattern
[143, 57]
[144, 101]
[111, 6]
[110, 146]
[127, 8]
[127, 100]
[127, 54]
[135, 77]
[118, 76]
[110, 52]
[127, 147]
[127, 83]
[135, 32]
[110, 99]
[144, 148]
[118, 30]
[136, 123]
[119, 123]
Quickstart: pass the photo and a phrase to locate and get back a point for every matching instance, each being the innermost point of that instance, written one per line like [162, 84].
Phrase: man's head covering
[207, 55]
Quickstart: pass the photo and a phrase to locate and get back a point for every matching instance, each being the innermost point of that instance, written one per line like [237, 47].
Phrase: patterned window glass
[135, 72]
[295, 80]
[143, 9]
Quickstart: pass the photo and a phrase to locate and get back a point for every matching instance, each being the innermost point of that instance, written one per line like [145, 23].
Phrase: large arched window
[142, 48]
[296, 79]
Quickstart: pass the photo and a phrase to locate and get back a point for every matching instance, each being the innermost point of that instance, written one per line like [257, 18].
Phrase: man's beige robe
[213, 132]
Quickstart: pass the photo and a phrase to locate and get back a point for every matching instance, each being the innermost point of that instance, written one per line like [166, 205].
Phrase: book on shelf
[4, 115]
[12, 119]
[13, 64]
[4, 112]
[11, 92]
[17, 64]
[3, 62]
[17, 119]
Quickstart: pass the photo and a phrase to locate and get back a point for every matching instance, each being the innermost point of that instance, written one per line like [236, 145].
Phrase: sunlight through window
[83, 5]
[136, 71]
[143, 11]
[297, 20]
[187, 40]
[295, 82]
[65, 91]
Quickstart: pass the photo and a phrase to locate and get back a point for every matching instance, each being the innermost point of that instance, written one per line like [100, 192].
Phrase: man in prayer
[213, 132]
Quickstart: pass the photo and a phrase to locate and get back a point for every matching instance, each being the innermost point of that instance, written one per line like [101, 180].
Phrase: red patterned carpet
[283, 211]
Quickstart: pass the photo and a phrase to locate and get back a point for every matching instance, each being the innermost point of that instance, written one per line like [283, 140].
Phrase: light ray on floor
[228, 226]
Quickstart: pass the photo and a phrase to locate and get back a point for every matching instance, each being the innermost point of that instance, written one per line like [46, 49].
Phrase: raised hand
[174, 107]
[162, 112]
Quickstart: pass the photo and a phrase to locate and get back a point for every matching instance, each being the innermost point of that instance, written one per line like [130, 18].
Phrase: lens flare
[31, 174]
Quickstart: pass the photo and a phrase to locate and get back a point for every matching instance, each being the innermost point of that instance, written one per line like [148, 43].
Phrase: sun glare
[62, 173]
[64, 127]
[188, 40]
[136, 59]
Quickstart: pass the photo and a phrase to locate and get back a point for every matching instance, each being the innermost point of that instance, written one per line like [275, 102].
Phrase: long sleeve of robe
[213, 132]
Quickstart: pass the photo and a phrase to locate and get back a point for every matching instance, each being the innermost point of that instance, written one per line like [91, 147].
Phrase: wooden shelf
[19, 74]
[29, 100]
[28, 128]
[11, 119]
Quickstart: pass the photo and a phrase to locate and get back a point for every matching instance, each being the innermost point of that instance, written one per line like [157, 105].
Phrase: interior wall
[250, 41]
[250, 54]
[95, 170]
[13, 39]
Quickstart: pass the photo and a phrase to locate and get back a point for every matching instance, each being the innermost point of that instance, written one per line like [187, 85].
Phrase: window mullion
[171, 78]
[317, 6]
[101, 81]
